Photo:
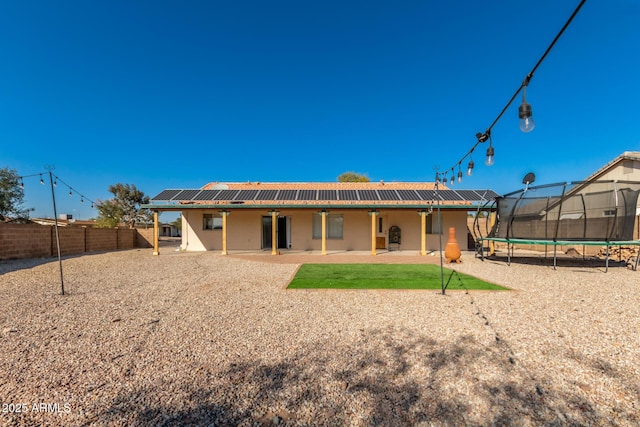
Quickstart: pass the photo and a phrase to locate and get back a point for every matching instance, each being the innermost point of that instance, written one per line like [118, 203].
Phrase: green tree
[178, 223]
[124, 207]
[353, 177]
[11, 195]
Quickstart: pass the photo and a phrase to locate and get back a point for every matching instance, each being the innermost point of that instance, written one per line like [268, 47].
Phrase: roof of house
[319, 194]
[627, 155]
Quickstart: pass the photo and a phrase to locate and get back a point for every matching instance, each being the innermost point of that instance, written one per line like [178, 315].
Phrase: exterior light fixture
[41, 180]
[70, 193]
[524, 111]
[459, 174]
[470, 167]
[490, 156]
[452, 178]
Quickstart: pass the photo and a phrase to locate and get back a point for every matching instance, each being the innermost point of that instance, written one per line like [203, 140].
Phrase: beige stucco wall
[244, 230]
[627, 170]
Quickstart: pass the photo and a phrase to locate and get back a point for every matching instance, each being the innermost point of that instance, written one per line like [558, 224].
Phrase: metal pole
[55, 218]
[435, 194]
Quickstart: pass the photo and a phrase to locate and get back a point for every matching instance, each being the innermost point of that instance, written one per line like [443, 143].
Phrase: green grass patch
[384, 276]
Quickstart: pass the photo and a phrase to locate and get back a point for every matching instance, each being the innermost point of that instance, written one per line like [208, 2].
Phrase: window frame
[211, 221]
[335, 226]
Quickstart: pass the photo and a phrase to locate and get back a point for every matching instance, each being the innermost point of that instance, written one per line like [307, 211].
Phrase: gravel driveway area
[205, 339]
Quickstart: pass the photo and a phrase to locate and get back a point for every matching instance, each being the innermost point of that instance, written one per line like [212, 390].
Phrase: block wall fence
[19, 241]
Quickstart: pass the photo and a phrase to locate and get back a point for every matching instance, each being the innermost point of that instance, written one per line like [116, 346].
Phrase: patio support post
[423, 232]
[224, 214]
[373, 214]
[156, 238]
[274, 232]
[324, 213]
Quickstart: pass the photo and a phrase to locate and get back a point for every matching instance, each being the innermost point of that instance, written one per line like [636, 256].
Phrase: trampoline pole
[555, 250]
[606, 268]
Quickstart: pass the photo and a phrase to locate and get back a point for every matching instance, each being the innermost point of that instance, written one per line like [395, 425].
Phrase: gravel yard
[205, 339]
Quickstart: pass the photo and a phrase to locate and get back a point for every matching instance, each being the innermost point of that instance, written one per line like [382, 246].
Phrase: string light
[55, 183]
[524, 111]
[490, 155]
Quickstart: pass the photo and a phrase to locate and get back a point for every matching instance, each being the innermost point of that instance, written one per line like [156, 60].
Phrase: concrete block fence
[19, 241]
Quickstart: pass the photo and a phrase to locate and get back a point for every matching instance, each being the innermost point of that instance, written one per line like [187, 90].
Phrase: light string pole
[524, 111]
[49, 168]
[437, 200]
[53, 181]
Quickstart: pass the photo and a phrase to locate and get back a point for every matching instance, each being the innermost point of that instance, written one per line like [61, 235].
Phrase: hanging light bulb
[41, 180]
[470, 167]
[452, 177]
[459, 174]
[490, 156]
[81, 199]
[21, 183]
[526, 115]
[55, 183]
[70, 193]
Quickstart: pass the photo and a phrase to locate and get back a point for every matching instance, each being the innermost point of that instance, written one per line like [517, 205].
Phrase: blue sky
[176, 94]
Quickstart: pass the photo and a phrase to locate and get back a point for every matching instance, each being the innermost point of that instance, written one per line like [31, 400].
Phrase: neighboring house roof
[64, 222]
[320, 194]
[627, 155]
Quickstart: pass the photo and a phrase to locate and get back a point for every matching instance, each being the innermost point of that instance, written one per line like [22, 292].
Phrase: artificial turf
[384, 276]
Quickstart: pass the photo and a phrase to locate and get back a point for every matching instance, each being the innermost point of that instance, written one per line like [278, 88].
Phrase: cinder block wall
[25, 241]
[39, 241]
[102, 239]
[72, 240]
[144, 237]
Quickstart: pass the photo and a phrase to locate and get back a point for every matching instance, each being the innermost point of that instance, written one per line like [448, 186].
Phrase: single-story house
[318, 216]
[168, 230]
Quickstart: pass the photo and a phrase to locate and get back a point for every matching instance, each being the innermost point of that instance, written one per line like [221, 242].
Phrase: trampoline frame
[554, 237]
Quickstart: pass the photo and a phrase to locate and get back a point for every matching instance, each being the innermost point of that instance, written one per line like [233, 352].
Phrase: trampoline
[587, 213]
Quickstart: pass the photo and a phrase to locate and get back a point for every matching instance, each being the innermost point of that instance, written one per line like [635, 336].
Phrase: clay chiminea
[452, 251]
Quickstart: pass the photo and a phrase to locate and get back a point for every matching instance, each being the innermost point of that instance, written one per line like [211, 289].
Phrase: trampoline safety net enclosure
[579, 211]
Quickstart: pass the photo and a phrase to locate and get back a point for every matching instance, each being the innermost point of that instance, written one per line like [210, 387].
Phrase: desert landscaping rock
[205, 339]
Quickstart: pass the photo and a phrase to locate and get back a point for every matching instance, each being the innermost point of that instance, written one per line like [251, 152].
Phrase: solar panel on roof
[427, 195]
[448, 195]
[347, 195]
[327, 195]
[266, 195]
[186, 195]
[206, 195]
[287, 195]
[307, 195]
[468, 195]
[166, 195]
[226, 195]
[368, 195]
[388, 195]
[246, 195]
[408, 195]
